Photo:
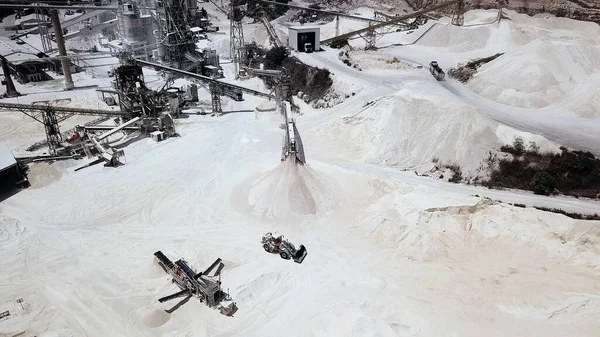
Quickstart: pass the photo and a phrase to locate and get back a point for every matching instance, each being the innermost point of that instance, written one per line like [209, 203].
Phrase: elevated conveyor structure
[50, 116]
[394, 21]
[206, 79]
[322, 11]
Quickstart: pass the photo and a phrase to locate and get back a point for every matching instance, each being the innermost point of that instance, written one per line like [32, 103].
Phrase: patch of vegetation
[272, 11]
[577, 216]
[465, 72]
[456, 173]
[574, 173]
[275, 57]
[519, 205]
[313, 82]
[338, 43]
[561, 12]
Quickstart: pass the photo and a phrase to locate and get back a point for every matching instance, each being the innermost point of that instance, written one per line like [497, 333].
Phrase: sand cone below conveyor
[291, 190]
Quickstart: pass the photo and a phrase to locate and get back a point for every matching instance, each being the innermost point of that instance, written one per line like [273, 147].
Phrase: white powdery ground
[390, 254]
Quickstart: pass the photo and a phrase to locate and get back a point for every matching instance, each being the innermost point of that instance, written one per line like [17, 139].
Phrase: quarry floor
[390, 253]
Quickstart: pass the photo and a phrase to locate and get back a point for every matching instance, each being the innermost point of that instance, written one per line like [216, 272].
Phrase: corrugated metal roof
[18, 57]
[6, 158]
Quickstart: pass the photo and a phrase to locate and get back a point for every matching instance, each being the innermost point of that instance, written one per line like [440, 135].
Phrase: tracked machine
[436, 71]
[206, 286]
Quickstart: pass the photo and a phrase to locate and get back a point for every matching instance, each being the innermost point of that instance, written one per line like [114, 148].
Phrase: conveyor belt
[348, 16]
[57, 109]
[186, 269]
[164, 260]
[396, 20]
[174, 296]
[212, 266]
[205, 78]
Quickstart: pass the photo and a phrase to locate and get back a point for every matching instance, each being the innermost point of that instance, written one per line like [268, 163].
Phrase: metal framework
[237, 46]
[71, 7]
[205, 79]
[215, 96]
[271, 31]
[51, 116]
[43, 29]
[370, 38]
[135, 99]
[173, 30]
[395, 21]
[344, 15]
[501, 5]
[458, 18]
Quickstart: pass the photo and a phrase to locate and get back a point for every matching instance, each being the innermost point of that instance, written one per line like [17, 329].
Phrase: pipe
[62, 50]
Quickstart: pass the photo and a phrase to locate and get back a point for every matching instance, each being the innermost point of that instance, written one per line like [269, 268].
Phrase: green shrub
[542, 183]
[338, 43]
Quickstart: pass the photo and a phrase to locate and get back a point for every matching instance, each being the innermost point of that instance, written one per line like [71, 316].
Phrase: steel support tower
[501, 5]
[237, 45]
[53, 135]
[215, 95]
[371, 39]
[173, 29]
[43, 28]
[458, 18]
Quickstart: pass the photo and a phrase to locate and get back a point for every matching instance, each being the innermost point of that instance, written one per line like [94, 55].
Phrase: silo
[192, 7]
[133, 26]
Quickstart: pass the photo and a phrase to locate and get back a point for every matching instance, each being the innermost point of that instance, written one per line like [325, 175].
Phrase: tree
[275, 57]
[338, 43]
[519, 146]
[542, 183]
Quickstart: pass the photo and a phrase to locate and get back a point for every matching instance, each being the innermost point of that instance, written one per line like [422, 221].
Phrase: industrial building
[10, 174]
[25, 68]
[137, 31]
[28, 21]
[305, 38]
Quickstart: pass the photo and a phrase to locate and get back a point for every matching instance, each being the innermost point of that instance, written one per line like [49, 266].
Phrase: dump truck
[436, 71]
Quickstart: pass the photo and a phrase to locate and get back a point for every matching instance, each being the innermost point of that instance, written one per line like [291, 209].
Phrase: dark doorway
[304, 38]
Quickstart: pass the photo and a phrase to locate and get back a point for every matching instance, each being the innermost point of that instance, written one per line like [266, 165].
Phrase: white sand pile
[156, 318]
[292, 190]
[257, 33]
[442, 233]
[366, 60]
[488, 223]
[43, 174]
[456, 39]
[409, 132]
[554, 25]
[537, 75]
[589, 107]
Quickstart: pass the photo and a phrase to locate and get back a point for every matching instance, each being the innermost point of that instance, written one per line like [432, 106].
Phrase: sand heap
[292, 190]
[409, 132]
[538, 74]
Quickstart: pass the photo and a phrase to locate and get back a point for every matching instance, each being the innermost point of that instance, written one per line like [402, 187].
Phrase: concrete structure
[10, 175]
[25, 68]
[157, 136]
[136, 28]
[28, 22]
[7, 161]
[301, 36]
[62, 50]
